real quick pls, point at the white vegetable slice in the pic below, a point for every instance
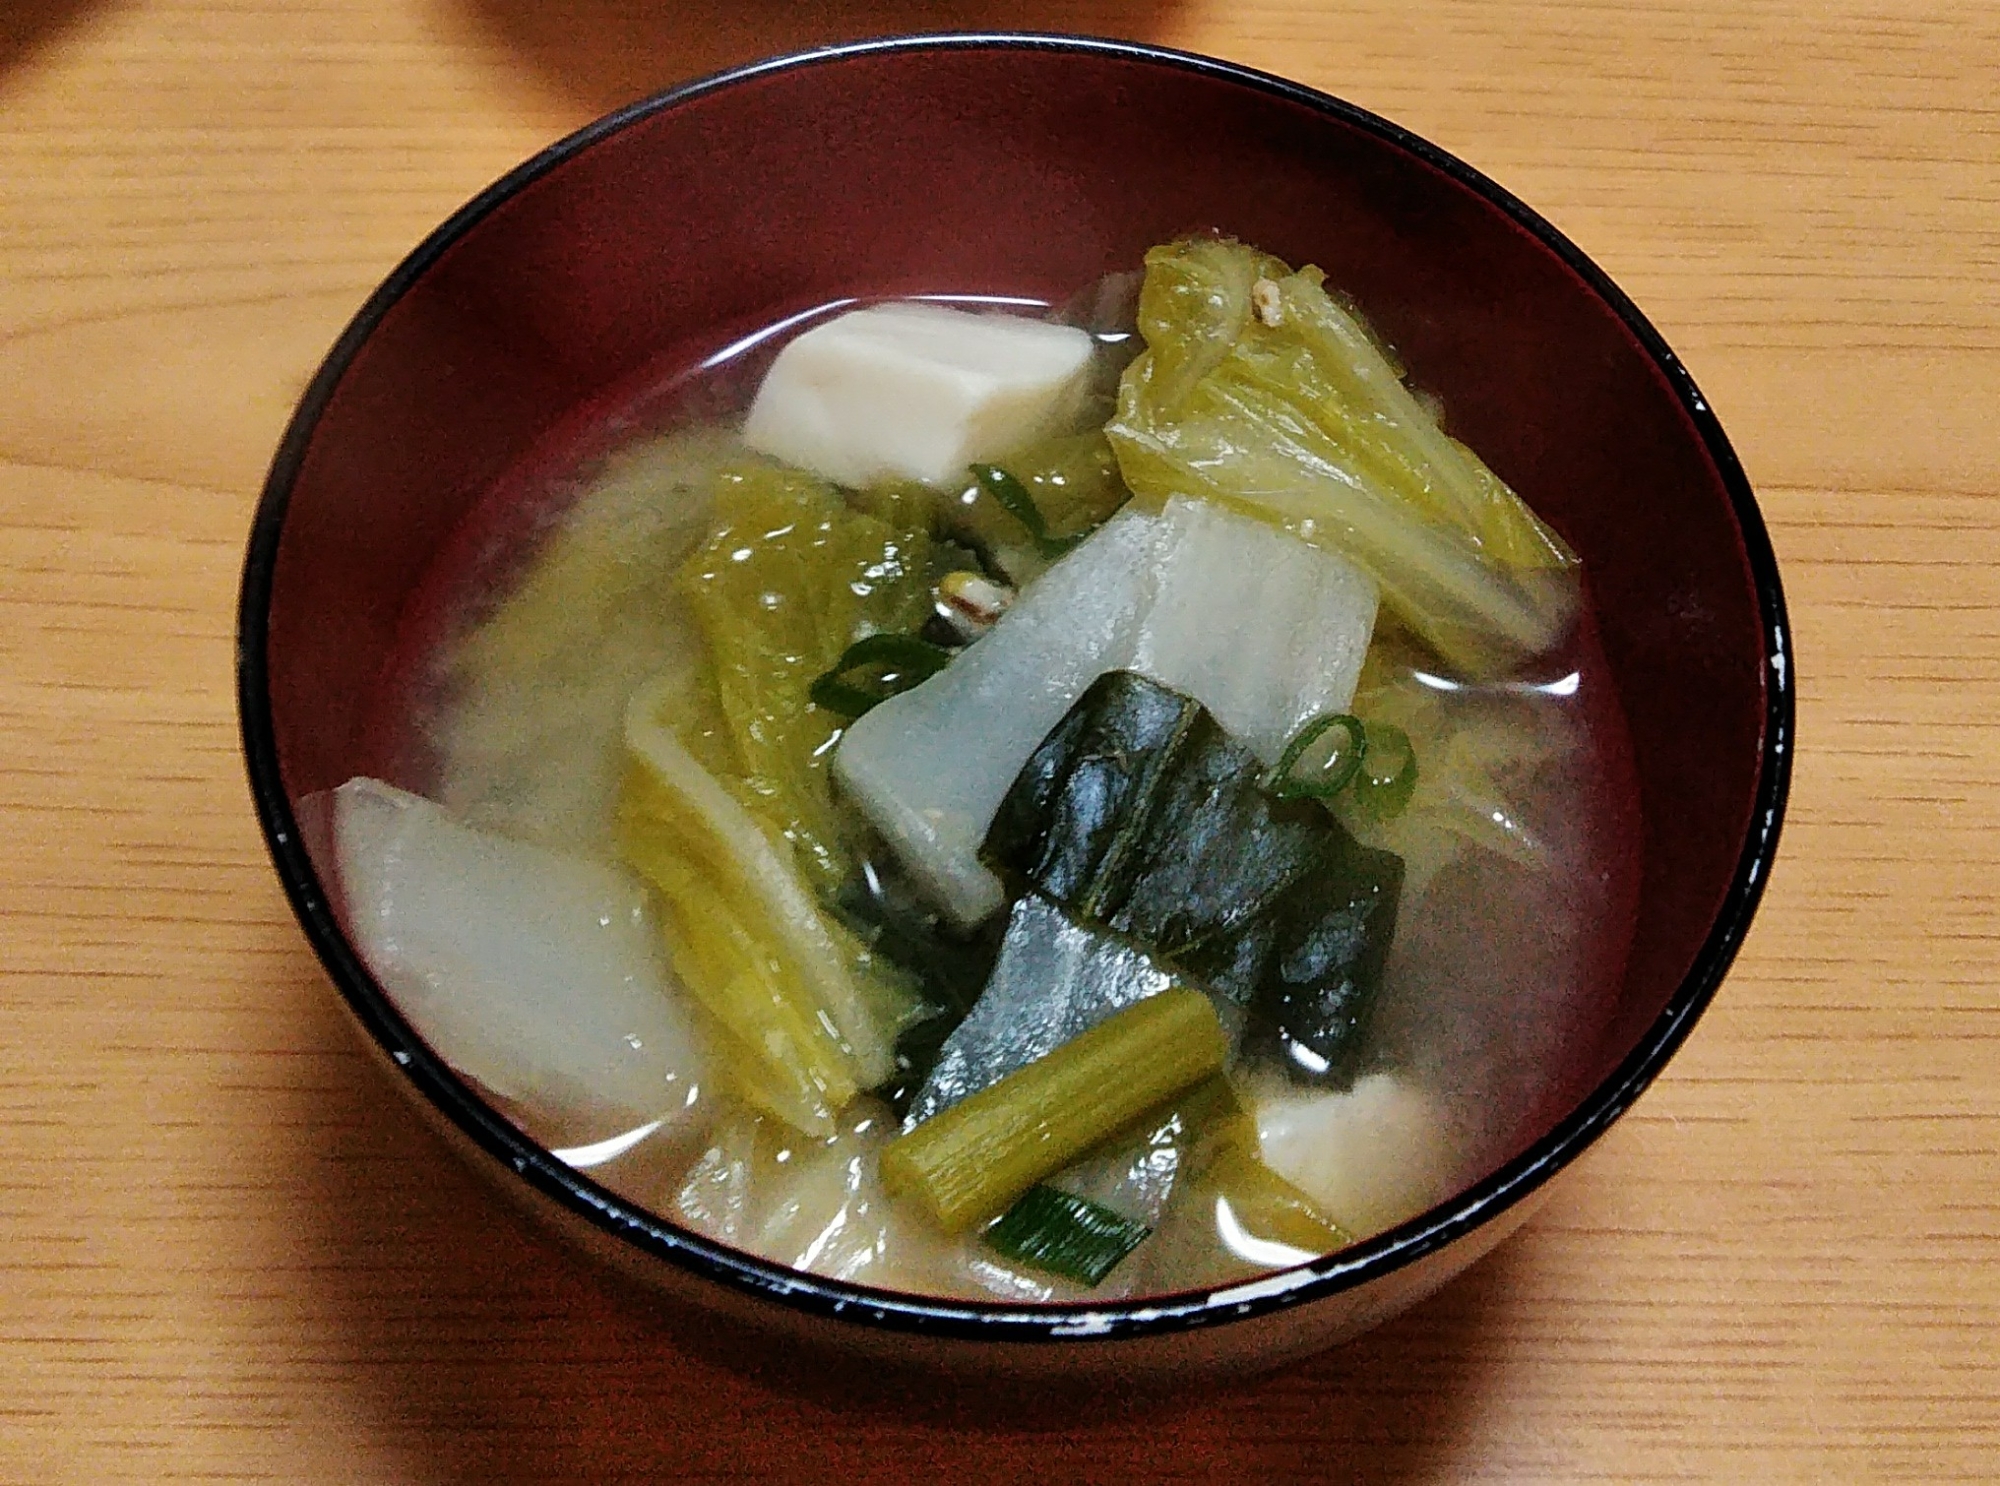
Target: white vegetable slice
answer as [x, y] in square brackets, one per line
[916, 392]
[932, 765]
[532, 971]
[1373, 1156]
[1259, 627]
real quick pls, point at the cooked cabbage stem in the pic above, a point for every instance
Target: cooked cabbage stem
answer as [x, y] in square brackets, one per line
[973, 1160]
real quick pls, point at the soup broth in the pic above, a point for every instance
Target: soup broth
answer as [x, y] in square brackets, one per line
[576, 587]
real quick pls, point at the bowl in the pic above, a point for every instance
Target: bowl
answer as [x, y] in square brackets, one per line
[1028, 165]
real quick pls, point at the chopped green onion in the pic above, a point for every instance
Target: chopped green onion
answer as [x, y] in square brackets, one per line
[974, 1159]
[1377, 759]
[1333, 775]
[905, 659]
[1048, 1229]
[1013, 495]
[1388, 774]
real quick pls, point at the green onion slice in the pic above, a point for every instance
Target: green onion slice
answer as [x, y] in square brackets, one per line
[1050, 1230]
[1388, 773]
[1329, 778]
[905, 661]
[1013, 495]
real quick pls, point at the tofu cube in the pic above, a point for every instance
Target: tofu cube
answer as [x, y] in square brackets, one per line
[916, 392]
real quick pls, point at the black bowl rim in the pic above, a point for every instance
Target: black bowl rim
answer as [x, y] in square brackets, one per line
[1350, 1269]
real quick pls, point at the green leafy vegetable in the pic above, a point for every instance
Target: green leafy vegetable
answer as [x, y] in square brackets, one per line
[904, 660]
[799, 1006]
[726, 810]
[788, 578]
[1259, 391]
[1138, 812]
[1048, 1229]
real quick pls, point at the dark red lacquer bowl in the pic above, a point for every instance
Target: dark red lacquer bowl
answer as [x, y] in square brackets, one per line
[1029, 165]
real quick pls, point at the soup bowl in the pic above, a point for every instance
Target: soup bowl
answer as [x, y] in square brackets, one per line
[1026, 165]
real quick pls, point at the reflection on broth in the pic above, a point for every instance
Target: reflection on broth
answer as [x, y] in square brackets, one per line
[950, 804]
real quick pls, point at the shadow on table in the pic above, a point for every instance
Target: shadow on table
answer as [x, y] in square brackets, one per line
[28, 24]
[478, 1349]
[605, 53]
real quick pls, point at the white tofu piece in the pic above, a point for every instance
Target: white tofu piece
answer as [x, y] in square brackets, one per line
[534, 972]
[1261, 629]
[915, 391]
[931, 766]
[1372, 1156]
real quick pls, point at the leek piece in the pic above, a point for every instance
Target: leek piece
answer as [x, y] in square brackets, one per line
[1014, 497]
[1023, 512]
[979, 1156]
[1379, 761]
[1387, 776]
[1065, 1235]
[1297, 416]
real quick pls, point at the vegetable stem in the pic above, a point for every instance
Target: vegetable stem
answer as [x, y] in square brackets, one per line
[977, 1157]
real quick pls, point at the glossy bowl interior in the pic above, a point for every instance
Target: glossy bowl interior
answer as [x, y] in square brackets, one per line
[1031, 166]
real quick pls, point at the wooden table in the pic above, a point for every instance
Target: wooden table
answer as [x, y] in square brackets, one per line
[227, 1250]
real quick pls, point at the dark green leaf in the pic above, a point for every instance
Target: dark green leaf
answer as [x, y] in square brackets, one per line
[1139, 812]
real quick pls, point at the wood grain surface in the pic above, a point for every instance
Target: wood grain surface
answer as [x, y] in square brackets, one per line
[227, 1250]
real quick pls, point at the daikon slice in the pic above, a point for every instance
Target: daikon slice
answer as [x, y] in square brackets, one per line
[930, 766]
[534, 972]
[1261, 629]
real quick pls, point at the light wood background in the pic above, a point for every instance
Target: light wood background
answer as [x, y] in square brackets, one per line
[228, 1252]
